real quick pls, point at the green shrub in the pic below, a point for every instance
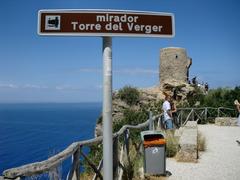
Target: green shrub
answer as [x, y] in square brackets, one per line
[131, 117]
[129, 94]
[155, 107]
[100, 119]
[171, 144]
[95, 155]
[222, 97]
[134, 117]
[196, 96]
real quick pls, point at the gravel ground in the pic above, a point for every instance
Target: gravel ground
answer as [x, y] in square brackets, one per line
[220, 160]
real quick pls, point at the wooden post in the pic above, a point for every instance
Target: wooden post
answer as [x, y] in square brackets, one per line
[126, 144]
[151, 125]
[181, 117]
[77, 159]
[120, 173]
[74, 173]
[218, 112]
[95, 169]
[205, 113]
[100, 165]
[193, 114]
[115, 158]
[126, 141]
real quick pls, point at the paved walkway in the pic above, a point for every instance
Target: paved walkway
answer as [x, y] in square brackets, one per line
[220, 160]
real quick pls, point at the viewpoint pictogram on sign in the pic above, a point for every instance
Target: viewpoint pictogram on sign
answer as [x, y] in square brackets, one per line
[52, 22]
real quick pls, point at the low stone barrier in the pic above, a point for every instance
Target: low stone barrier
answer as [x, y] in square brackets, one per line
[188, 143]
[225, 121]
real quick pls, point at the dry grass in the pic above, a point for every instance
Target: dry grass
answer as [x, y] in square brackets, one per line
[86, 176]
[172, 144]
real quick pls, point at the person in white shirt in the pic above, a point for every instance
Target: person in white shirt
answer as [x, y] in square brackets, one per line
[167, 113]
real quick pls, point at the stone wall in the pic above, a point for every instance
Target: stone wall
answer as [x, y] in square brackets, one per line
[174, 65]
[188, 143]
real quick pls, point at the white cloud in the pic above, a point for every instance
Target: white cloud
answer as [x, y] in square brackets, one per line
[9, 86]
[32, 86]
[43, 87]
[67, 87]
[77, 88]
[24, 86]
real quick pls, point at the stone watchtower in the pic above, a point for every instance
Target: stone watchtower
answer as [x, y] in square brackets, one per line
[174, 65]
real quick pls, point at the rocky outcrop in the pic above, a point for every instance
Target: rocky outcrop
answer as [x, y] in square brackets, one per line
[147, 98]
[226, 121]
[178, 90]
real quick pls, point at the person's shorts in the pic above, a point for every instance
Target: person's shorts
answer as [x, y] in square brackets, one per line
[169, 124]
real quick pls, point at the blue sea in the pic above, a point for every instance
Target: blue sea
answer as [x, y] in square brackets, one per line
[34, 132]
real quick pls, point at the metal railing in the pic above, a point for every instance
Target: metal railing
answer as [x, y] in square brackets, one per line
[203, 114]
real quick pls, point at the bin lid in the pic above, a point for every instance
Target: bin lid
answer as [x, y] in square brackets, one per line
[151, 134]
[154, 142]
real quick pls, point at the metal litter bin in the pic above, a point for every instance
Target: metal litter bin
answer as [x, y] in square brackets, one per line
[154, 145]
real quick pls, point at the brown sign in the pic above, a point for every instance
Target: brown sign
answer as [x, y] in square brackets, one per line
[105, 23]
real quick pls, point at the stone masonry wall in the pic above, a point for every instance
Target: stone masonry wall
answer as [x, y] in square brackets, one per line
[188, 143]
[174, 65]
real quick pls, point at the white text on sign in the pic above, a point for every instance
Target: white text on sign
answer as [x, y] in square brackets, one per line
[115, 23]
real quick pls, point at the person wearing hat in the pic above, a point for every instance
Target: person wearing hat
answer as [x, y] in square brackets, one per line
[167, 113]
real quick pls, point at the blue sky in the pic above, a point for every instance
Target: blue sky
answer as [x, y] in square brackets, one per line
[69, 69]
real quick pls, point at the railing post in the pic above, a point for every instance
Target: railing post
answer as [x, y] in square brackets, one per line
[150, 121]
[181, 117]
[100, 165]
[77, 158]
[126, 144]
[205, 113]
[115, 158]
[74, 173]
[192, 114]
[218, 112]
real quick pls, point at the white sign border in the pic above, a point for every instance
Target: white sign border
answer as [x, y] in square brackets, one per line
[104, 34]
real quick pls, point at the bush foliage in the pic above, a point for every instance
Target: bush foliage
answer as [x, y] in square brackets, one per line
[131, 117]
[220, 97]
[129, 94]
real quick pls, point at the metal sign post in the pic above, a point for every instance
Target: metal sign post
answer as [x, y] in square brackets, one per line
[107, 109]
[106, 24]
